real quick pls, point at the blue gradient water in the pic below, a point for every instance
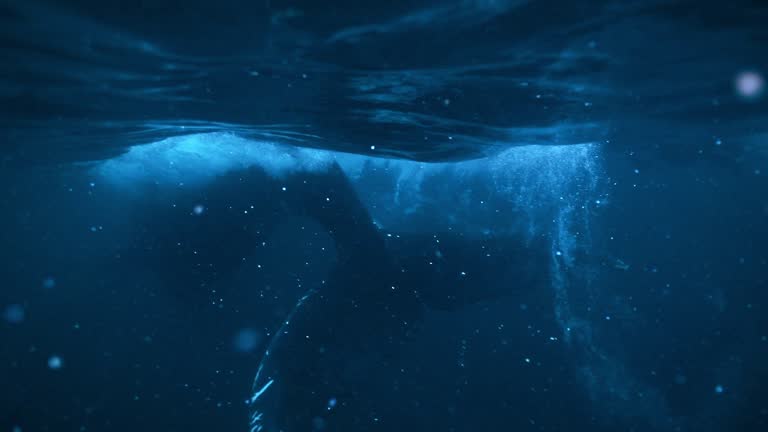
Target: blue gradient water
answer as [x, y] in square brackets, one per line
[455, 216]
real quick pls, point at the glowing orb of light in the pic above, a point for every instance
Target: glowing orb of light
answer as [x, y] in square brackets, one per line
[55, 362]
[749, 84]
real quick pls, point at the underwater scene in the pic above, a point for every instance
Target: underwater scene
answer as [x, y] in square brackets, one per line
[402, 215]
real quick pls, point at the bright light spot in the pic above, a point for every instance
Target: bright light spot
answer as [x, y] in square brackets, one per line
[331, 403]
[719, 389]
[198, 209]
[373, 147]
[14, 314]
[55, 362]
[749, 84]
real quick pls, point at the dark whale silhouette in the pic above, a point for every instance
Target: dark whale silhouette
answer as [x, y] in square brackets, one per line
[370, 306]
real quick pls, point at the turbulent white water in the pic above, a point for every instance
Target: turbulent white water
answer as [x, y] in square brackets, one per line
[200, 158]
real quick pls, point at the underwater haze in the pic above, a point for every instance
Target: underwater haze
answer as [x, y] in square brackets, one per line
[405, 215]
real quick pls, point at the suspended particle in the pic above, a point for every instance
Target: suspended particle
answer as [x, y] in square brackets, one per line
[14, 314]
[49, 282]
[749, 84]
[55, 362]
[246, 340]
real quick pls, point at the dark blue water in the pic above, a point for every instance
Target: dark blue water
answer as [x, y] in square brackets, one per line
[469, 215]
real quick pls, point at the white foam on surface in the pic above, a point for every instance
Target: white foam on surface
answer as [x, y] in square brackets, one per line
[199, 158]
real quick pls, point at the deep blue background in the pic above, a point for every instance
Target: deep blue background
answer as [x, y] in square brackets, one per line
[669, 276]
